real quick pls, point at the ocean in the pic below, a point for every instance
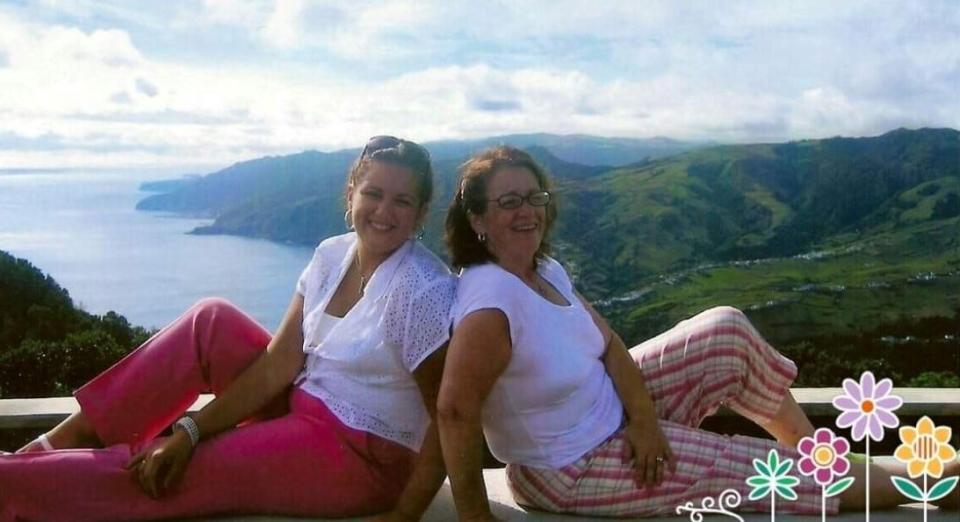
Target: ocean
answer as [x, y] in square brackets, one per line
[81, 228]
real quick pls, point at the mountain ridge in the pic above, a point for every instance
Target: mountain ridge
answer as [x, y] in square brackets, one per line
[623, 227]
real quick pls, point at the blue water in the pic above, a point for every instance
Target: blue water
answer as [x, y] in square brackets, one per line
[81, 228]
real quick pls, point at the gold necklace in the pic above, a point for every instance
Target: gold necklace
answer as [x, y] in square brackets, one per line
[363, 280]
[540, 289]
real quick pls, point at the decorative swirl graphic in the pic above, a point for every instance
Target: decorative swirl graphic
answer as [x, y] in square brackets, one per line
[727, 499]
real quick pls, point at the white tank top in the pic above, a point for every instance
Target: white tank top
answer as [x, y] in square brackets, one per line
[555, 401]
[323, 327]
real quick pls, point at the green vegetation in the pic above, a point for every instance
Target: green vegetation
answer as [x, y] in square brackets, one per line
[891, 350]
[47, 346]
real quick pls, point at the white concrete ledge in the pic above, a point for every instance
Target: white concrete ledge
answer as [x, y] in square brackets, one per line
[48, 411]
[936, 402]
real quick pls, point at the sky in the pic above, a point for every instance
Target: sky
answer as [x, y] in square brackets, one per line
[205, 83]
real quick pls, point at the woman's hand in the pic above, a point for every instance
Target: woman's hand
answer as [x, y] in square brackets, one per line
[646, 441]
[650, 450]
[160, 466]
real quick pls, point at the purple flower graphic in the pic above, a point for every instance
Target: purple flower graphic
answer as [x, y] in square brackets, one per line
[824, 456]
[867, 406]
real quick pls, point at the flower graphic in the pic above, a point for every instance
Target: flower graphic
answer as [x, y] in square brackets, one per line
[925, 448]
[867, 406]
[824, 456]
[772, 478]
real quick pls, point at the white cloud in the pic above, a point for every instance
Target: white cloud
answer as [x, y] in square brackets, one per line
[283, 26]
[755, 71]
[146, 88]
[244, 13]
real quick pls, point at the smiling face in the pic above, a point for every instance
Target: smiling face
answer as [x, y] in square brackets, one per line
[512, 236]
[385, 208]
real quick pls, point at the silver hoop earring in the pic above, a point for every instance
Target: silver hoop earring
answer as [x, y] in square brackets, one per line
[347, 220]
[481, 237]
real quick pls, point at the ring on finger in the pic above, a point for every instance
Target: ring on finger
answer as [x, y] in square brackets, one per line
[660, 460]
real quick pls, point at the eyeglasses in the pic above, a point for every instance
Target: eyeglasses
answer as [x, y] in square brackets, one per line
[407, 152]
[513, 201]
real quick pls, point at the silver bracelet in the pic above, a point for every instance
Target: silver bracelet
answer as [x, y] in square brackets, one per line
[189, 425]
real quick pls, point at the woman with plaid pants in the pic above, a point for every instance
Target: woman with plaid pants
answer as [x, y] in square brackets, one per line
[584, 425]
[715, 358]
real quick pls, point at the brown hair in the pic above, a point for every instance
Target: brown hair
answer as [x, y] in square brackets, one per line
[388, 149]
[465, 249]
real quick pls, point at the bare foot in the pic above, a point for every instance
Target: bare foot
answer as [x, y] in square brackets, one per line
[33, 446]
[74, 432]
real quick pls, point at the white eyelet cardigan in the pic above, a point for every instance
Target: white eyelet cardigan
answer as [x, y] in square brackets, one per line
[361, 368]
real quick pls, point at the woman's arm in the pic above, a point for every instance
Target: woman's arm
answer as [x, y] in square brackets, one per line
[429, 472]
[643, 430]
[479, 353]
[163, 462]
[271, 373]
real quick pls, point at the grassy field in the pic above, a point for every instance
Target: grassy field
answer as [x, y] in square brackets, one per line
[846, 286]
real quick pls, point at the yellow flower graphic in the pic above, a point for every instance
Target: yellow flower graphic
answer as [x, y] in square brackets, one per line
[925, 448]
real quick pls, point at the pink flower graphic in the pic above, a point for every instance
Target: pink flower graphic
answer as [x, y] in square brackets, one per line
[824, 456]
[867, 406]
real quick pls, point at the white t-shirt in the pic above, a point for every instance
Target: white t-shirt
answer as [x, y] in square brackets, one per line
[555, 400]
[361, 366]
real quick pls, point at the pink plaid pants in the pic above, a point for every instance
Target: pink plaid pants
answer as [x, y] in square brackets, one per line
[295, 458]
[715, 358]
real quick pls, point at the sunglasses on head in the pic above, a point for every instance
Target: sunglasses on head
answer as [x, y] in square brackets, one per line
[393, 148]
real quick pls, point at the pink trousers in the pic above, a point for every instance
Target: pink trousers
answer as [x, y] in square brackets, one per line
[715, 358]
[294, 458]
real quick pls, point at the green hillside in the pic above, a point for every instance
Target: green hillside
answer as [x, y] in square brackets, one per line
[574, 148]
[844, 247]
[309, 172]
[754, 201]
[297, 198]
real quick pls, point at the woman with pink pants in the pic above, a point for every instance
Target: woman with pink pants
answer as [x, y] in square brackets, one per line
[330, 417]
